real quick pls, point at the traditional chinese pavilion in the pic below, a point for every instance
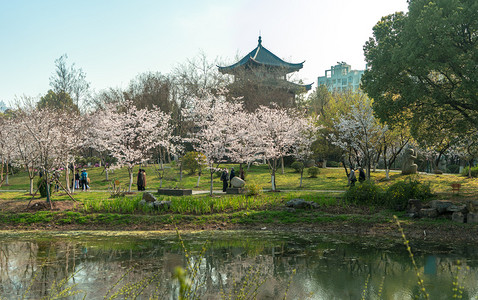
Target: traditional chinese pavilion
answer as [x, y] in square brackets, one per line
[260, 78]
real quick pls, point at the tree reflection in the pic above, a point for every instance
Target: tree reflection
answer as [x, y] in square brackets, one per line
[326, 268]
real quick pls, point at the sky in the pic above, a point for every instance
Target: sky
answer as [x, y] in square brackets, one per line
[113, 41]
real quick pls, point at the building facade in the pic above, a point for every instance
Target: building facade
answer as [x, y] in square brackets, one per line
[341, 77]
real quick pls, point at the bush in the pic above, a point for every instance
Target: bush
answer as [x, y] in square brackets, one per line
[474, 171]
[333, 164]
[313, 172]
[41, 184]
[398, 194]
[193, 161]
[297, 166]
[366, 193]
[253, 188]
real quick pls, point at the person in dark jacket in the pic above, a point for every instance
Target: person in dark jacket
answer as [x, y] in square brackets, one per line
[361, 175]
[139, 180]
[224, 177]
[231, 175]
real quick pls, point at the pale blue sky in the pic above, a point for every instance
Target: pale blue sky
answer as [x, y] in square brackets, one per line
[114, 40]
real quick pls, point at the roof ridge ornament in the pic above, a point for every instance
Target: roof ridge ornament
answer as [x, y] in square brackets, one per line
[260, 40]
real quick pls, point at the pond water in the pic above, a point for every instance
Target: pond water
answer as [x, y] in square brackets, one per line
[326, 267]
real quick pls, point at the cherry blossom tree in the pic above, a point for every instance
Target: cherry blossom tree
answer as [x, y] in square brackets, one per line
[214, 136]
[302, 147]
[130, 133]
[360, 134]
[278, 129]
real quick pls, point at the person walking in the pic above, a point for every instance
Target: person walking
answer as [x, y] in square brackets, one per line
[232, 175]
[224, 177]
[139, 180]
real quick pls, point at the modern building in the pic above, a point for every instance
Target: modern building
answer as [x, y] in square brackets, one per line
[260, 79]
[340, 78]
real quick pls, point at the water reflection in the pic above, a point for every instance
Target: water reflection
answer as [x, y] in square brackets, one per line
[327, 267]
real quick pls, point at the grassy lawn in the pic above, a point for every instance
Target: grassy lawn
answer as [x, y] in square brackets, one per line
[332, 179]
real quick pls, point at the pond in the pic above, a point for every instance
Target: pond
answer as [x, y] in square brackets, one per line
[303, 266]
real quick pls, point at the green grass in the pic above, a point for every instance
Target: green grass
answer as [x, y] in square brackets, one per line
[329, 179]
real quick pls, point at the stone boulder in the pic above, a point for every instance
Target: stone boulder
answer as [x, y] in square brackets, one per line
[409, 166]
[472, 217]
[472, 206]
[428, 213]
[162, 205]
[440, 205]
[302, 204]
[148, 197]
[237, 182]
[458, 217]
[414, 205]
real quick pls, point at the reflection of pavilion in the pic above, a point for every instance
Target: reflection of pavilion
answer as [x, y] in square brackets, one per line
[260, 78]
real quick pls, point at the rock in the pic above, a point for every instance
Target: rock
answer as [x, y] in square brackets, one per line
[414, 205]
[458, 217]
[301, 204]
[428, 213]
[472, 217]
[409, 166]
[290, 209]
[142, 202]
[438, 171]
[457, 208]
[472, 205]
[440, 205]
[237, 182]
[163, 205]
[148, 197]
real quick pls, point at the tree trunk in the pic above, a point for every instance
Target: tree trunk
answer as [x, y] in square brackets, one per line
[324, 164]
[130, 171]
[31, 185]
[180, 172]
[387, 173]
[301, 175]
[106, 174]
[6, 173]
[282, 164]
[67, 178]
[210, 191]
[199, 178]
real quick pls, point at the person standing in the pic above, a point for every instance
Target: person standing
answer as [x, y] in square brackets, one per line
[232, 175]
[143, 174]
[84, 180]
[139, 180]
[352, 177]
[224, 176]
[77, 180]
[361, 175]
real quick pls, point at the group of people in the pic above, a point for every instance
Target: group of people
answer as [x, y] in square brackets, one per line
[226, 177]
[82, 181]
[353, 178]
[141, 180]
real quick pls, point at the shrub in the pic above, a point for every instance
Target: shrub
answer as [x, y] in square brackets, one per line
[366, 193]
[193, 161]
[474, 171]
[398, 194]
[313, 172]
[297, 166]
[41, 184]
[332, 163]
[253, 188]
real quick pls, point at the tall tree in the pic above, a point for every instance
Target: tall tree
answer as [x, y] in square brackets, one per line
[69, 80]
[423, 63]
